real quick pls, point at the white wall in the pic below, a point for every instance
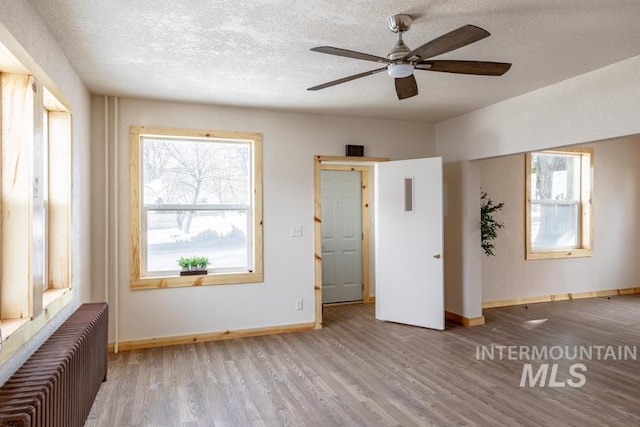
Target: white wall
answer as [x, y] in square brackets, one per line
[598, 105]
[23, 32]
[462, 285]
[616, 205]
[290, 142]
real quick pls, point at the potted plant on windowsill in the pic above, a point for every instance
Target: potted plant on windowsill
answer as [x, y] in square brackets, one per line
[195, 265]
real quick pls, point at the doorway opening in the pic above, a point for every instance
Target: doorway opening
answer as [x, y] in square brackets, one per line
[357, 252]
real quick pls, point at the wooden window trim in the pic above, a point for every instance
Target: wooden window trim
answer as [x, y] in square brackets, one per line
[47, 296]
[20, 113]
[585, 209]
[137, 282]
[59, 203]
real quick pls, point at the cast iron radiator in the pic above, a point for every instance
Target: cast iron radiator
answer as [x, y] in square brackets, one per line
[57, 385]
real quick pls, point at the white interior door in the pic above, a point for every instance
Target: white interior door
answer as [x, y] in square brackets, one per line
[341, 236]
[408, 246]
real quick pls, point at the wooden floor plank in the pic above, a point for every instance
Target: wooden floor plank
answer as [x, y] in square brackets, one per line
[358, 371]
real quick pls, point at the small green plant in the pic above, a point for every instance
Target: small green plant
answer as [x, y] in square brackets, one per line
[193, 263]
[201, 262]
[488, 225]
[184, 262]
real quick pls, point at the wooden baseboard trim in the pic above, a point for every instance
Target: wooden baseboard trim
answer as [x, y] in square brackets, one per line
[560, 297]
[465, 321]
[370, 300]
[211, 336]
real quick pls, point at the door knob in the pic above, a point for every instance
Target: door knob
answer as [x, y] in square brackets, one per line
[436, 255]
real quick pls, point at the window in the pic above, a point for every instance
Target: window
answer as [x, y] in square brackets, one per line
[558, 194]
[195, 193]
[35, 202]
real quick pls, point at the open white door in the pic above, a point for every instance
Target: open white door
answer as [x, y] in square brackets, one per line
[408, 242]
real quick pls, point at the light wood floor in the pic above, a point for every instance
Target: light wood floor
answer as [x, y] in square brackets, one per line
[361, 372]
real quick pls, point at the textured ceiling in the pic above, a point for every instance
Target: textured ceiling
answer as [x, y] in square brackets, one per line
[256, 53]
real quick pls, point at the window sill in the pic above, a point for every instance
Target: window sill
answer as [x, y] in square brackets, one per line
[20, 331]
[9, 326]
[561, 254]
[50, 295]
[160, 282]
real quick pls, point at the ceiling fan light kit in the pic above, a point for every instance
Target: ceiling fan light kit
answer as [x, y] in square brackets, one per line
[399, 71]
[401, 62]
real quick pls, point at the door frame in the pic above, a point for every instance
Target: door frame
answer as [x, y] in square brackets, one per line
[364, 166]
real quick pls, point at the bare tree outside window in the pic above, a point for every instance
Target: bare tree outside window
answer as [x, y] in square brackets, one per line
[196, 200]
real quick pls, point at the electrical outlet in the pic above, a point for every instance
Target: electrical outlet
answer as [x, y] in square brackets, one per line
[296, 231]
[299, 304]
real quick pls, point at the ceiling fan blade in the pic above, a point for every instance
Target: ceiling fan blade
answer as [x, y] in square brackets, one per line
[446, 43]
[406, 87]
[346, 79]
[480, 68]
[349, 54]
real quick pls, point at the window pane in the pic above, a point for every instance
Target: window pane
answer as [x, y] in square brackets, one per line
[219, 235]
[194, 171]
[555, 176]
[554, 226]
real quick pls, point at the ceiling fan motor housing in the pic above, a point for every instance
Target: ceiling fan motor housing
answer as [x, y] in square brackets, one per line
[400, 50]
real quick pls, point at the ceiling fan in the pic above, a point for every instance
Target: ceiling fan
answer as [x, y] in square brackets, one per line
[402, 61]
